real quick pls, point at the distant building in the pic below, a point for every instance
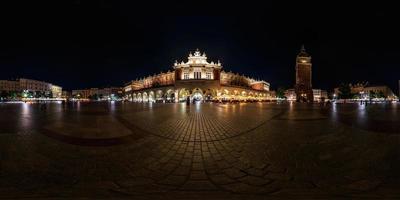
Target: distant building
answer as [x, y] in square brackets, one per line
[364, 91]
[84, 93]
[34, 85]
[108, 93]
[290, 95]
[303, 87]
[272, 94]
[56, 91]
[9, 86]
[101, 94]
[385, 90]
[30, 85]
[318, 95]
[66, 94]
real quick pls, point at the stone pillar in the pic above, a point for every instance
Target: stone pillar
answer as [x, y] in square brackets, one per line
[176, 96]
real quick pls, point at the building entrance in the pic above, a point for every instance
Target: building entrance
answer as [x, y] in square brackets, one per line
[197, 96]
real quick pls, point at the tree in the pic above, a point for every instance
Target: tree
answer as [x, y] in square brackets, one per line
[356, 95]
[120, 95]
[49, 94]
[14, 94]
[37, 94]
[345, 91]
[31, 94]
[372, 94]
[94, 97]
[4, 94]
[77, 96]
[381, 95]
[280, 93]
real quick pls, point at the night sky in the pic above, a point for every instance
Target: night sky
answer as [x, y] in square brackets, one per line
[79, 44]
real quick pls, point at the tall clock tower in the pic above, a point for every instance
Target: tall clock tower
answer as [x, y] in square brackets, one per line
[303, 87]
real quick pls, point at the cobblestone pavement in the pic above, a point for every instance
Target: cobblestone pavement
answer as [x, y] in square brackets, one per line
[202, 151]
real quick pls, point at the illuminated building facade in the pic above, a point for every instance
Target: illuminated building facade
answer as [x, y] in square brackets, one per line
[83, 93]
[318, 95]
[303, 87]
[197, 80]
[65, 94]
[364, 91]
[56, 91]
[32, 86]
[290, 95]
[109, 93]
[9, 86]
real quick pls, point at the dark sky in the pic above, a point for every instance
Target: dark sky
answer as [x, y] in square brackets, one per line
[79, 44]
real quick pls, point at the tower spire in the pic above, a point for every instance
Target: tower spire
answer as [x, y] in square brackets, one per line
[303, 52]
[303, 49]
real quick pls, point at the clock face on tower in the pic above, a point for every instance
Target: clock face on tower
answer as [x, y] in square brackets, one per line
[303, 60]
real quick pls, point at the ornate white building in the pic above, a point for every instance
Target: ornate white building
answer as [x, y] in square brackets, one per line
[198, 79]
[197, 67]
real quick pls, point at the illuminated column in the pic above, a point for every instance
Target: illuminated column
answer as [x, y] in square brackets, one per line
[176, 96]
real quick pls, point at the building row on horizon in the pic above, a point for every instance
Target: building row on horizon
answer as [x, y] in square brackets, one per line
[317, 94]
[357, 91]
[366, 91]
[303, 90]
[109, 93]
[197, 80]
[29, 88]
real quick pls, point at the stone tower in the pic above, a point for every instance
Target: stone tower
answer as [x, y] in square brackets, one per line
[303, 87]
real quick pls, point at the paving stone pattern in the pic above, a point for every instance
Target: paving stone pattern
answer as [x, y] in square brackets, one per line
[203, 151]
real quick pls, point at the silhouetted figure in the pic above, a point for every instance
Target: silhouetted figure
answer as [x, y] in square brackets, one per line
[188, 100]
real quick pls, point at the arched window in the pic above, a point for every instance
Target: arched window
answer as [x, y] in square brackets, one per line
[197, 75]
